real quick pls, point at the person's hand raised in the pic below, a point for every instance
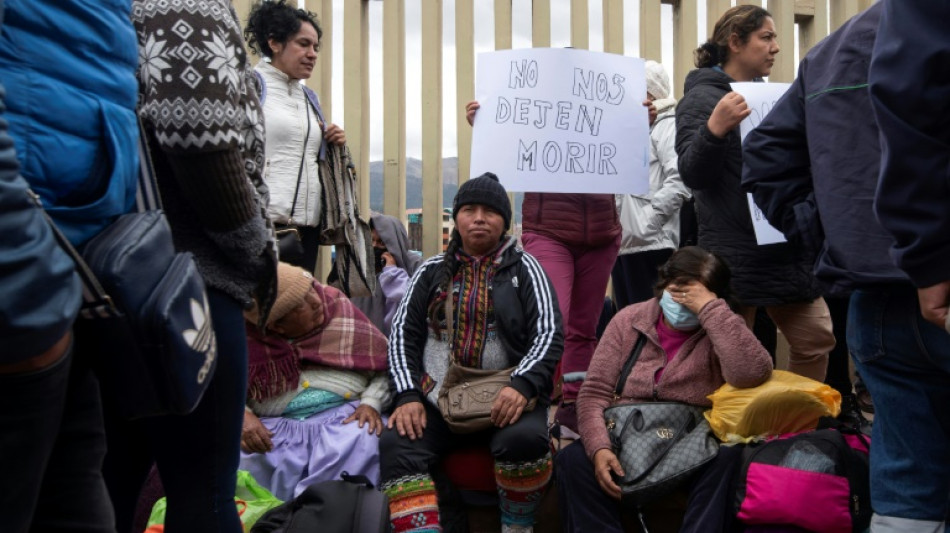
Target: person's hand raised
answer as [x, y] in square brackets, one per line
[729, 112]
[470, 109]
[693, 295]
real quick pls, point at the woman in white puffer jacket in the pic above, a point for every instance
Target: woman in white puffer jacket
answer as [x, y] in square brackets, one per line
[651, 222]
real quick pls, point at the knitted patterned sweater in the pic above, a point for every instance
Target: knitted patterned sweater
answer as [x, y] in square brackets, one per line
[722, 351]
[198, 101]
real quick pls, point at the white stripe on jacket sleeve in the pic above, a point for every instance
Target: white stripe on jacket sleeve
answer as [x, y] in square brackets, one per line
[545, 326]
[398, 368]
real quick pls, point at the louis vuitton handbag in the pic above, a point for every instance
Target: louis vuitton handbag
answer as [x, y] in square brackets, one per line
[659, 444]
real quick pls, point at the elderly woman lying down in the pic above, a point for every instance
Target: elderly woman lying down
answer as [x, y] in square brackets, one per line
[317, 383]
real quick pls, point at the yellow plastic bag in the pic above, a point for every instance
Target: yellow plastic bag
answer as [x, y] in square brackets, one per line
[786, 403]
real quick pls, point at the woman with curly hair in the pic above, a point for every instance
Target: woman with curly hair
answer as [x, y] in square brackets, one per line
[288, 40]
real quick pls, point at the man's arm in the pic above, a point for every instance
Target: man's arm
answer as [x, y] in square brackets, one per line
[909, 94]
[41, 292]
[776, 169]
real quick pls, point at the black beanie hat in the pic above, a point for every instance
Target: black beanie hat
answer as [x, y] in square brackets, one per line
[484, 190]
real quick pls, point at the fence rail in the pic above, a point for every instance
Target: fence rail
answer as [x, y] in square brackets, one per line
[810, 19]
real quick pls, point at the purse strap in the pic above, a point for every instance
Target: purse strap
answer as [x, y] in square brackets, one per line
[303, 159]
[96, 302]
[628, 365]
[147, 197]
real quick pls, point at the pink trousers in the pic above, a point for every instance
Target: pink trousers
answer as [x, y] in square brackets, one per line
[579, 276]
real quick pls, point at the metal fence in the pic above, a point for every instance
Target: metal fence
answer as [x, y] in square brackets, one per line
[810, 20]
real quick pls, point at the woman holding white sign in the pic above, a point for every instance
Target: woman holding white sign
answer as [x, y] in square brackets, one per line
[777, 276]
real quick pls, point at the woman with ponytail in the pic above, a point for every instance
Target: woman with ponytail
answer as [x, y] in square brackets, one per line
[484, 304]
[777, 277]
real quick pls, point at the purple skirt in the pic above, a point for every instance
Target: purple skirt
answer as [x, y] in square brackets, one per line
[319, 448]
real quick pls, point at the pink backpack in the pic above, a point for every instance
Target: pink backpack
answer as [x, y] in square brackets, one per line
[814, 480]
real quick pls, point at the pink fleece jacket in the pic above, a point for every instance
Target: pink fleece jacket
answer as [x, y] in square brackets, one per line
[722, 351]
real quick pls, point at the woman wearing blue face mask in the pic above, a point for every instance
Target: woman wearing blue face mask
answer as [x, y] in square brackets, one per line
[694, 344]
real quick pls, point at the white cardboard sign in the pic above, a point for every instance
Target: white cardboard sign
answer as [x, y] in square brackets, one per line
[562, 120]
[761, 98]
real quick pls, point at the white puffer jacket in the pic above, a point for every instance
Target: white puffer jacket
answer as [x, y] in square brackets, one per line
[652, 221]
[286, 111]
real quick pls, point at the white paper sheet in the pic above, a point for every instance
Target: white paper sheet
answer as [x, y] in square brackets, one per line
[562, 120]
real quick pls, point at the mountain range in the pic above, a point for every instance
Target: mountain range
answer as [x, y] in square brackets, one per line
[450, 176]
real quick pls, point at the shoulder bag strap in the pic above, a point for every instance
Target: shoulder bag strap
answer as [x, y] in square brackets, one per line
[315, 103]
[95, 302]
[147, 197]
[628, 365]
[303, 160]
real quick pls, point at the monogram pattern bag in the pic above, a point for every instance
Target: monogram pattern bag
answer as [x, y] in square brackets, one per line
[659, 444]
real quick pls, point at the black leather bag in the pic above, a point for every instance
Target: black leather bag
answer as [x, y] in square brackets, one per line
[289, 244]
[659, 444]
[151, 327]
[351, 505]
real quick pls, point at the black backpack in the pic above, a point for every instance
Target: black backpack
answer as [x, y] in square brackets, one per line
[352, 505]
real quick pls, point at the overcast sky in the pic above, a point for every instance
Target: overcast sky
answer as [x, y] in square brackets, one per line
[484, 42]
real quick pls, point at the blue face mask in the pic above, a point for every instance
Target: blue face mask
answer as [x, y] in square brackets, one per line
[677, 315]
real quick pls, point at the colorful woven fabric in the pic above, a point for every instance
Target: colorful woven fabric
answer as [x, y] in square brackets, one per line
[347, 340]
[474, 305]
[413, 505]
[520, 488]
